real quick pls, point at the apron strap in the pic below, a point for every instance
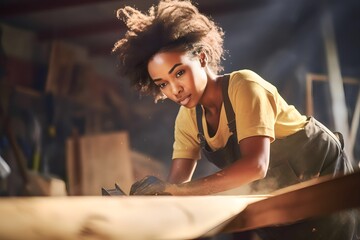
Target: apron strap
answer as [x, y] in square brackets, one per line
[230, 115]
[200, 135]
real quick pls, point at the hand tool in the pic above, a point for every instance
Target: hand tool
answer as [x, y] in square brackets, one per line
[113, 192]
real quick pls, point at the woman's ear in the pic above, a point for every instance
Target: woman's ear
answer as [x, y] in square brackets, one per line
[202, 59]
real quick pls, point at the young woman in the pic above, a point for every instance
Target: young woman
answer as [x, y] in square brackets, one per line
[238, 121]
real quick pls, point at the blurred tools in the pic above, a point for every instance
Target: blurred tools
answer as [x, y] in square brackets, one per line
[28, 183]
[4, 169]
[4, 173]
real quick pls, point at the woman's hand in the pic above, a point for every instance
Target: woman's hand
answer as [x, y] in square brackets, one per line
[151, 185]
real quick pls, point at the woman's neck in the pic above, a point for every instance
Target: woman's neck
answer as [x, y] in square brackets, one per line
[212, 96]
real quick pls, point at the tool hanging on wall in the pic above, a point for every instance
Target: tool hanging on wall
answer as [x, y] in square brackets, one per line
[4, 173]
[4, 169]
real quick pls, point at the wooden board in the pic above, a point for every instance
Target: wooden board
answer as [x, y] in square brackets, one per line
[110, 218]
[98, 161]
[40, 185]
[61, 68]
[170, 217]
[313, 198]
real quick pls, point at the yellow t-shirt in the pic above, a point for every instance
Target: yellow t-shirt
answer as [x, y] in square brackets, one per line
[259, 111]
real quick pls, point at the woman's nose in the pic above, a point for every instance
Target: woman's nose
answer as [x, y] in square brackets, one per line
[176, 89]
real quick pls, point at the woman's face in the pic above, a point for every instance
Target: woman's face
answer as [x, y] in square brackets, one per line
[181, 78]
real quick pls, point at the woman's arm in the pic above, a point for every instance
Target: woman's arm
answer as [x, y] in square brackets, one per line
[181, 170]
[252, 166]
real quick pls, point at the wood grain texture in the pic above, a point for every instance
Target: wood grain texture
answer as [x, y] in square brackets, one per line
[147, 217]
[317, 197]
[170, 217]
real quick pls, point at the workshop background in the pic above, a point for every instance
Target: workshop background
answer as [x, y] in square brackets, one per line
[70, 125]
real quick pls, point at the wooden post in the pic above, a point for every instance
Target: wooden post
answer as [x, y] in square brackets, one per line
[339, 109]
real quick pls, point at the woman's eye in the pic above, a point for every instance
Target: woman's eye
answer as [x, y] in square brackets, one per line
[179, 73]
[162, 85]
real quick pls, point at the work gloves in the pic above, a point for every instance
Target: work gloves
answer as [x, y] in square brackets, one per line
[149, 185]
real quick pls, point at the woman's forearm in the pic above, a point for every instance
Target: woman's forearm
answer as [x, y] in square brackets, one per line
[253, 165]
[239, 173]
[181, 170]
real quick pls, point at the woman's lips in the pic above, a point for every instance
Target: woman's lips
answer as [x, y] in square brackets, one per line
[185, 100]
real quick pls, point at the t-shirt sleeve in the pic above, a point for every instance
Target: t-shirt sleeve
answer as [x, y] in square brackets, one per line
[186, 144]
[254, 105]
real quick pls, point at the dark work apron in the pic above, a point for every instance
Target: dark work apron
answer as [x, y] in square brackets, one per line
[308, 153]
[225, 156]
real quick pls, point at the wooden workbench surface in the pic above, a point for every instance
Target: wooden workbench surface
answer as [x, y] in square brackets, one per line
[147, 217]
[170, 217]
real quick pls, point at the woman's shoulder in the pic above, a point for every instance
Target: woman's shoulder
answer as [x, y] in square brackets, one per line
[246, 78]
[245, 75]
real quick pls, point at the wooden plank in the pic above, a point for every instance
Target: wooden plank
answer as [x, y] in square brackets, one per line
[146, 217]
[169, 217]
[62, 64]
[104, 160]
[308, 199]
[337, 92]
[73, 167]
[40, 185]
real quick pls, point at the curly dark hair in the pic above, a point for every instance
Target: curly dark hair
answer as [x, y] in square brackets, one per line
[171, 25]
